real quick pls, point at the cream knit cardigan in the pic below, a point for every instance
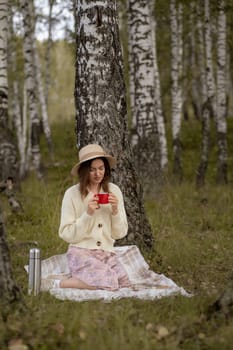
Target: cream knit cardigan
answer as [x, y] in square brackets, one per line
[97, 231]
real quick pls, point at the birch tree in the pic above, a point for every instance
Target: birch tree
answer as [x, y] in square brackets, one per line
[8, 152]
[48, 50]
[42, 100]
[31, 86]
[209, 105]
[101, 113]
[221, 95]
[229, 85]
[8, 161]
[39, 82]
[195, 87]
[8, 290]
[201, 56]
[18, 108]
[142, 71]
[158, 102]
[176, 89]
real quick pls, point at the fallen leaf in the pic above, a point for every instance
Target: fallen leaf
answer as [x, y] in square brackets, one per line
[162, 332]
[82, 334]
[149, 326]
[201, 336]
[17, 344]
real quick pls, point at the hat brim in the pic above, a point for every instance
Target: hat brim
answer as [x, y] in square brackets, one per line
[111, 161]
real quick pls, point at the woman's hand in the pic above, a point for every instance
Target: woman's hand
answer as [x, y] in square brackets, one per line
[114, 203]
[92, 205]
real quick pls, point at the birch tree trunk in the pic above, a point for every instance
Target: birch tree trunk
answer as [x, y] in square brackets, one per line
[20, 122]
[229, 86]
[211, 89]
[48, 51]
[221, 95]
[31, 86]
[8, 161]
[3, 66]
[142, 71]
[201, 56]
[196, 102]
[133, 130]
[176, 90]
[101, 104]
[8, 152]
[42, 99]
[8, 290]
[158, 102]
[209, 105]
[19, 118]
[40, 87]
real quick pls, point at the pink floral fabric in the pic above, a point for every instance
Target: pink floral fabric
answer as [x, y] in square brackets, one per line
[98, 268]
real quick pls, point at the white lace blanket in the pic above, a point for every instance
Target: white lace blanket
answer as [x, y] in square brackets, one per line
[146, 284]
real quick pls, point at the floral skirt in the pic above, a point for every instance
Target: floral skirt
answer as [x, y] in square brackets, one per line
[97, 268]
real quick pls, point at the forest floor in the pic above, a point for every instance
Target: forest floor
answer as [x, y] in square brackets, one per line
[193, 245]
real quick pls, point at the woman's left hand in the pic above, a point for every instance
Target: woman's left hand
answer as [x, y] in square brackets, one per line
[114, 203]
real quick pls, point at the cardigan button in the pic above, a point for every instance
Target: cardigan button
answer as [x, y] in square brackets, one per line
[98, 243]
[100, 225]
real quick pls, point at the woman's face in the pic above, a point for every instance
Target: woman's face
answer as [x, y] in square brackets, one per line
[97, 171]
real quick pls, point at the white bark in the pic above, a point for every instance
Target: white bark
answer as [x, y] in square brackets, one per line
[140, 41]
[221, 94]
[196, 96]
[29, 68]
[180, 61]
[39, 83]
[48, 51]
[8, 156]
[209, 105]
[44, 111]
[176, 117]
[20, 127]
[3, 63]
[176, 75]
[20, 124]
[221, 70]
[158, 103]
[134, 133]
[229, 85]
[201, 56]
[142, 71]
[211, 90]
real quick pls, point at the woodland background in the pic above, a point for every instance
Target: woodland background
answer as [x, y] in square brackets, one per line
[192, 225]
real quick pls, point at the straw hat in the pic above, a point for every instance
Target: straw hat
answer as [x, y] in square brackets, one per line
[92, 151]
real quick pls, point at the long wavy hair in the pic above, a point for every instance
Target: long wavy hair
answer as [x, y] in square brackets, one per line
[84, 172]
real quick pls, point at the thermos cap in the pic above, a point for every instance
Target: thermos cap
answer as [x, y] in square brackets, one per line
[34, 253]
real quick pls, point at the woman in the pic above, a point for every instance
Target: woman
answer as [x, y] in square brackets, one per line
[91, 228]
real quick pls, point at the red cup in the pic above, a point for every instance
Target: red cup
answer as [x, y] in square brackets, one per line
[103, 198]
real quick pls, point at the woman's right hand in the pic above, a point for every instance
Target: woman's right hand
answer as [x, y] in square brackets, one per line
[92, 205]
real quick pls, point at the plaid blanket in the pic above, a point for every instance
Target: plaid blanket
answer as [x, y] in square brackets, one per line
[146, 284]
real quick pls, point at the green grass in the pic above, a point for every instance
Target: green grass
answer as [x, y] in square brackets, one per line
[193, 236]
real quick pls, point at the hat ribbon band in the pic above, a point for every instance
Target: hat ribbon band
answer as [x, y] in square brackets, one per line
[90, 154]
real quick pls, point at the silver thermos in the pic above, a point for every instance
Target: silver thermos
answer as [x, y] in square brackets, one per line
[34, 271]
